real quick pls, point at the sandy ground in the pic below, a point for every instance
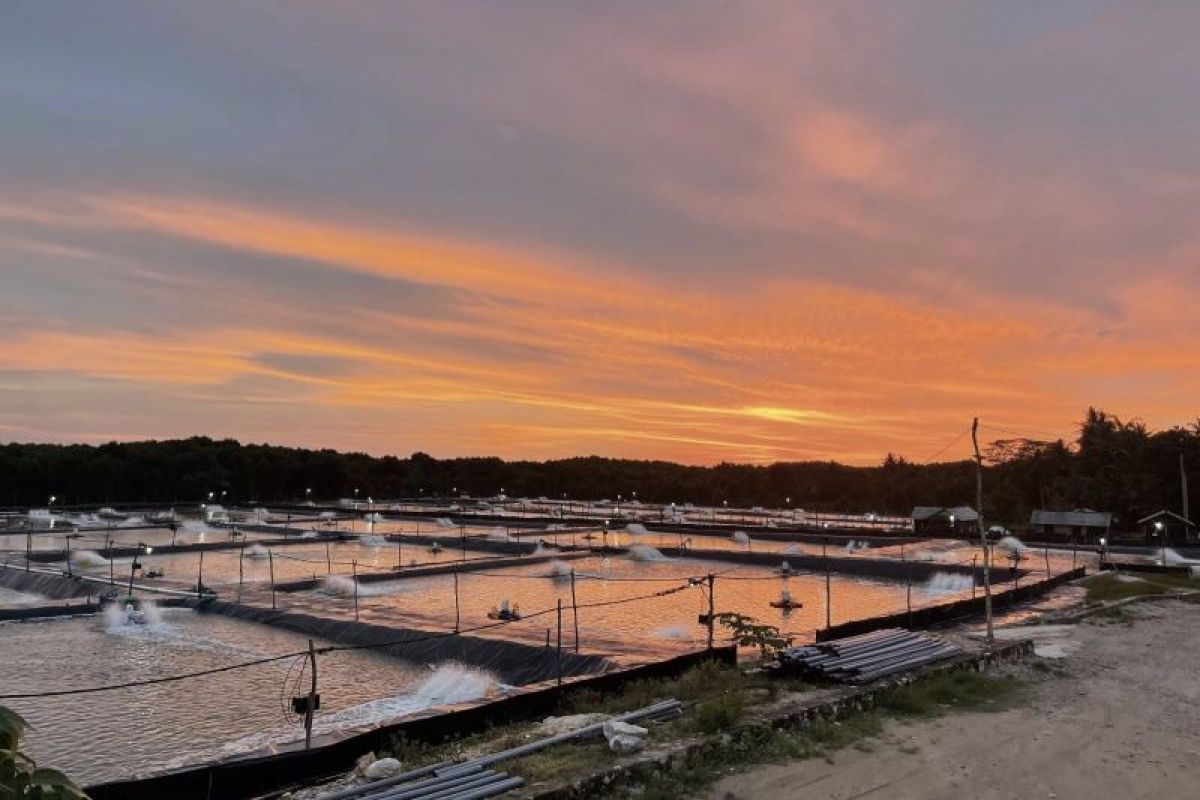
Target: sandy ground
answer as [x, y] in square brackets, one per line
[1121, 721]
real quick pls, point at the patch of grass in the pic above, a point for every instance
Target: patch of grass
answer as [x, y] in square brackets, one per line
[960, 690]
[559, 763]
[701, 682]
[1109, 587]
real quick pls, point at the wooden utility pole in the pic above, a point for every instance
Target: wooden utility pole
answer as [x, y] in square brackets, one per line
[1183, 481]
[987, 558]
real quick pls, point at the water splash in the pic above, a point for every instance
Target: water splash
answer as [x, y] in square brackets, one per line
[1012, 544]
[635, 528]
[948, 583]
[498, 534]
[121, 617]
[448, 684]
[643, 552]
[257, 551]
[444, 522]
[674, 633]
[740, 537]
[559, 571]
[1172, 558]
[372, 540]
[88, 558]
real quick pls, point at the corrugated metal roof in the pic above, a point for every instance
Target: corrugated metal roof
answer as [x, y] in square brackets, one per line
[1164, 513]
[1086, 519]
[960, 513]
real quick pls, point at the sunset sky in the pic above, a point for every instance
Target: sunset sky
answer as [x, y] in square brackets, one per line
[698, 231]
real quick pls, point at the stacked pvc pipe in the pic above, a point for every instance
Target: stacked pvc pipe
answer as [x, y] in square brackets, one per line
[472, 780]
[866, 658]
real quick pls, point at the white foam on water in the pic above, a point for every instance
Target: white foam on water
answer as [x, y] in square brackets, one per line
[559, 571]
[372, 540]
[635, 528]
[674, 633]
[1172, 558]
[498, 534]
[88, 558]
[948, 583]
[444, 522]
[642, 552]
[1012, 544]
[257, 551]
[448, 684]
[344, 586]
[740, 537]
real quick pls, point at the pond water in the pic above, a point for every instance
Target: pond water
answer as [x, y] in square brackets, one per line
[108, 735]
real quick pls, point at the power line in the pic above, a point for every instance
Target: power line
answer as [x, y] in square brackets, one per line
[953, 442]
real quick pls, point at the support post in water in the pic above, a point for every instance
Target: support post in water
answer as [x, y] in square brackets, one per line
[574, 610]
[312, 697]
[987, 558]
[111, 577]
[354, 574]
[712, 585]
[200, 578]
[28, 550]
[328, 560]
[457, 611]
[271, 565]
[828, 591]
[908, 595]
[1047, 559]
[558, 656]
[241, 570]
[399, 549]
[973, 558]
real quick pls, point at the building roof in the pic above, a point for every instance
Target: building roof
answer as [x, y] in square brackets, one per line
[1165, 513]
[960, 513]
[1078, 518]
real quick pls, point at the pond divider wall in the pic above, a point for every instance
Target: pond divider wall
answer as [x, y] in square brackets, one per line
[888, 568]
[930, 616]
[55, 587]
[243, 778]
[514, 663]
[44, 556]
[443, 568]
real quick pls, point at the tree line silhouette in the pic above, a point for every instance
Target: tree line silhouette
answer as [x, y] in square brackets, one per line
[1111, 465]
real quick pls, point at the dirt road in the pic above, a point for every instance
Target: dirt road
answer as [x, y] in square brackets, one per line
[1122, 722]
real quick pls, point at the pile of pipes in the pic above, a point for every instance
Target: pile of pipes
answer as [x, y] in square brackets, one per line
[865, 658]
[473, 780]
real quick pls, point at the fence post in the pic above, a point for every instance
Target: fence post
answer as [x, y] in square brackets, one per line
[457, 608]
[400, 549]
[1047, 559]
[312, 697]
[199, 577]
[574, 610]
[712, 587]
[354, 574]
[828, 593]
[271, 565]
[559, 652]
[328, 560]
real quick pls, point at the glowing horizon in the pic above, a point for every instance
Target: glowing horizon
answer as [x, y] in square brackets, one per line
[789, 232]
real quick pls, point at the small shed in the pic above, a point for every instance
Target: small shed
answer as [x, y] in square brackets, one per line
[1167, 527]
[945, 521]
[1080, 525]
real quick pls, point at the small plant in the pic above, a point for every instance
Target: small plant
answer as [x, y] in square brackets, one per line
[20, 777]
[749, 632]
